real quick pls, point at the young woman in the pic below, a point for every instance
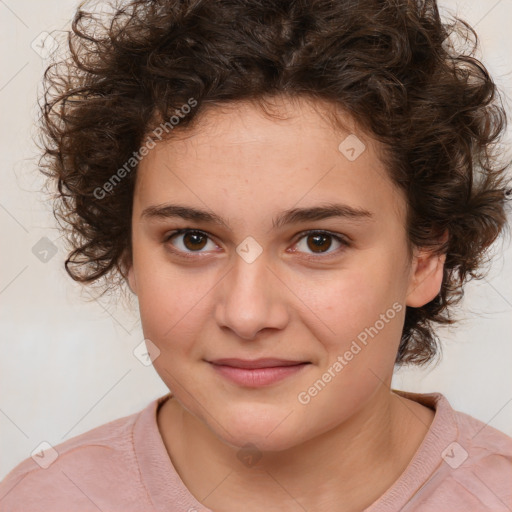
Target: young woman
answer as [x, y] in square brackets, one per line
[296, 192]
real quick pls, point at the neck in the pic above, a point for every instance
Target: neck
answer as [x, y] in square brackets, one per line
[345, 469]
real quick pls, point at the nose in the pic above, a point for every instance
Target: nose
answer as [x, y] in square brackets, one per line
[252, 298]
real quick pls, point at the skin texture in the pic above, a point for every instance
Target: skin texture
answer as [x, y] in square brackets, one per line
[351, 441]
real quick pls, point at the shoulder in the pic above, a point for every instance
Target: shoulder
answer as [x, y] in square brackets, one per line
[477, 468]
[482, 436]
[485, 458]
[480, 447]
[471, 463]
[78, 474]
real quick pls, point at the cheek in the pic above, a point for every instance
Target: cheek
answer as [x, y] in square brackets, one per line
[171, 300]
[367, 321]
[169, 313]
[350, 302]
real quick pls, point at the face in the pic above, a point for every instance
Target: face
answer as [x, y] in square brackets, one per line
[300, 255]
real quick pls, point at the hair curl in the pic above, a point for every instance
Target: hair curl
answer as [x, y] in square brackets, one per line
[393, 65]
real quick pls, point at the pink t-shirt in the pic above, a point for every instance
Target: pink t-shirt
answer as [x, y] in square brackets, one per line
[462, 465]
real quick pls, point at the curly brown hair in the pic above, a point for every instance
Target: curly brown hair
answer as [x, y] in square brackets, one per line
[392, 65]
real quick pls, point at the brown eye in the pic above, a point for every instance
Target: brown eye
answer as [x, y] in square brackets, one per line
[319, 242]
[187, 240]
[194, 241]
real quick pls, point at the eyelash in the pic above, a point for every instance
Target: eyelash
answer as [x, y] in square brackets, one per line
[192, 254]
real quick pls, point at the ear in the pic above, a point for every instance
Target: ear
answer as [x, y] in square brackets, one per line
[426, 276]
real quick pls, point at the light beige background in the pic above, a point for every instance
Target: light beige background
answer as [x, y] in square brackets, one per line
[67, 365]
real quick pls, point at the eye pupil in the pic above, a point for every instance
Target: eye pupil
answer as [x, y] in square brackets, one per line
[195, 239]
[319, 242]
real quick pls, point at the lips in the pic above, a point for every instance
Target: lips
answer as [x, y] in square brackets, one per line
[256, 363]
[257, 372]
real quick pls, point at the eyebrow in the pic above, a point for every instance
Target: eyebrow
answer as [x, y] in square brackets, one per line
[292, 216]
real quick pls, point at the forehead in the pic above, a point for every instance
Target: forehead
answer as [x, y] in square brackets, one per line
[240, 159]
